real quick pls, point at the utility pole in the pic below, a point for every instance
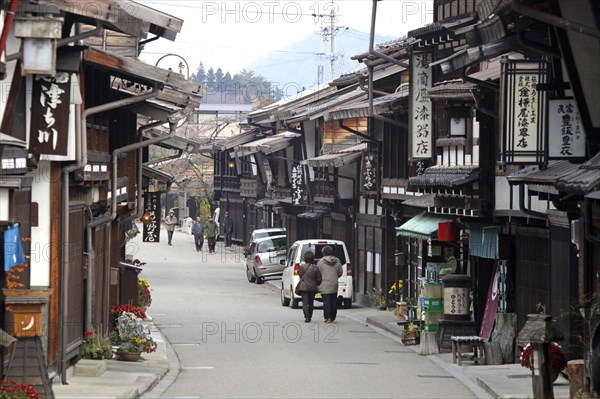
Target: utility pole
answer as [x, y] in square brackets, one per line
[332, 56]
[329, 33]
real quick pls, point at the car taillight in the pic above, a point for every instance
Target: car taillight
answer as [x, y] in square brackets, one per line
[257, 260]
[296, 268]
[348, 269]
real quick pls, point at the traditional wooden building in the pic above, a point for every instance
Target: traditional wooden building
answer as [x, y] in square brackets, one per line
[76, 178]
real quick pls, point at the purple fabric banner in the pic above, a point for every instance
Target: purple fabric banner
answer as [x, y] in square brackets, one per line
[491, 305]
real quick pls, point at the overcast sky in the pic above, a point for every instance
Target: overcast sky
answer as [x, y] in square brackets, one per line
[231, 34]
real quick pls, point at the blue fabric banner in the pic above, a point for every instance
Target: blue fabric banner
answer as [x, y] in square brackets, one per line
[13, 251]
[483, 241]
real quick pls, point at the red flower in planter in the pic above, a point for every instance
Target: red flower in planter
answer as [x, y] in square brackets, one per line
[557, 357]
[10, 389]
[116, 311]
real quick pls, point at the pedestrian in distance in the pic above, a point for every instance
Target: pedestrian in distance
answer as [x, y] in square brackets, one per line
[228, 226]
[210, 231]
[331, 269]
[198, 232]
[310, 278]
[171, 222]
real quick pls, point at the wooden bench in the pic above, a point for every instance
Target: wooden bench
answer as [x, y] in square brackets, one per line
[475, 342]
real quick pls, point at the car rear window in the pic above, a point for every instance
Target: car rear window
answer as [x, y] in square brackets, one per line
[338, 251]
[275, 244]
[263, 234]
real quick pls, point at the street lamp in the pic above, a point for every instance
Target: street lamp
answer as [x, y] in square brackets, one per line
[183, 63]
[146, 217]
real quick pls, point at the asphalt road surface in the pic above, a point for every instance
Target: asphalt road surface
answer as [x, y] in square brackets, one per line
[233, 338]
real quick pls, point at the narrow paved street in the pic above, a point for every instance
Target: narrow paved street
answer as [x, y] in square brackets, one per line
[234, 339]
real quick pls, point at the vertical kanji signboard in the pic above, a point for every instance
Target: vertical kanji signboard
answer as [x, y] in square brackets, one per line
[297, 184]
[523, 111]
[152, 228]
[566, 136]
[50, 114]
[421, 132]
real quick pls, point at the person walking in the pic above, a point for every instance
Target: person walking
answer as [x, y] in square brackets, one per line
[310, 278]
[228, 226]
[331, 269]
[171, 222]
[198, 232]
[210, 230]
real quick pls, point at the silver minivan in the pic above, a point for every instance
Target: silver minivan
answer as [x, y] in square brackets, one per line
[295, 255]
[261, 233]
[264, 256]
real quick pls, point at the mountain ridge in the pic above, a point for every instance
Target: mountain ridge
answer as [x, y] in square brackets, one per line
[306, 62]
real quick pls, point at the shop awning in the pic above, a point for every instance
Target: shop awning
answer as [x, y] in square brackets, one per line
[266, 145]
[423, 226]
[5, 139]
[173, 143]
[359, 108]
[313, 214]
[230, 142]
[338, 158]
[547, 176]
[156, 174]
[266, 202]
[130, 17]
[318, 109]
[421, 201]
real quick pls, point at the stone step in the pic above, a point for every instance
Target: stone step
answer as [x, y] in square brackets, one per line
[90, 368]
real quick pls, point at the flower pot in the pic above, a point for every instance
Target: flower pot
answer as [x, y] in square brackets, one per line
[130, 356]
[401, 310]
[411, 340]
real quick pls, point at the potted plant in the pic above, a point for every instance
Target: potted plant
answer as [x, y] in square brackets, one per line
[117, 311]
[377, 299]
[557, 358]
[96, 345]
[10, 389]
[396, 291]
[411, 308]
[411, 334]
[144, 293]
[132, 337]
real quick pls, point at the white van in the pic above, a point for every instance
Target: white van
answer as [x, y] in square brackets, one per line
[295, 255]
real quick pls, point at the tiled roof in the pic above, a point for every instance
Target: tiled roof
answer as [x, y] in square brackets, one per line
[452, 89]
[583, 179]
[445, 176]
[534, 175]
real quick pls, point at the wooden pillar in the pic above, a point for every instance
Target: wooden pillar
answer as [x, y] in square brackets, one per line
[576, 370]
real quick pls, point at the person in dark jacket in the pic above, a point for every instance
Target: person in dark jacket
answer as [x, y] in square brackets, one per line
[198, 232]
[309, 286]
[228, 226]
[331, 269]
